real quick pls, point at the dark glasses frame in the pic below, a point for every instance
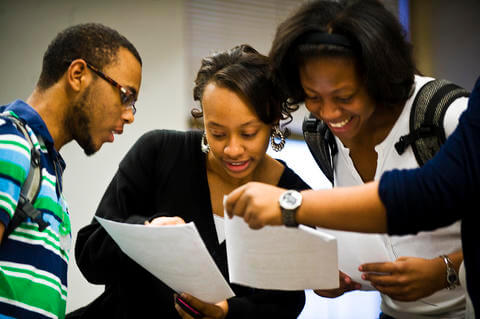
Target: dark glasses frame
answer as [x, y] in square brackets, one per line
[127, 97]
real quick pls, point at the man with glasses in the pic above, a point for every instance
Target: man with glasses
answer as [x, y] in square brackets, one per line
[86, 92]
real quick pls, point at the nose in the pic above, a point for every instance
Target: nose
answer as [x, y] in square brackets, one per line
[128, 116]
[326, 111]
[233, 148]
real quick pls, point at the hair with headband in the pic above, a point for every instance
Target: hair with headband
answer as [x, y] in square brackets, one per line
[316, 37]
[362, 30]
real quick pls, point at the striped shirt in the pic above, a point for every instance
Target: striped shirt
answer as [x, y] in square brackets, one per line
[33, 263]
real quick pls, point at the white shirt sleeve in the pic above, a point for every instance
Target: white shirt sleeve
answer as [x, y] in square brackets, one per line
[452, 115]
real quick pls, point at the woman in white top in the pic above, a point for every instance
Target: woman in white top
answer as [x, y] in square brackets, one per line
[351, 65]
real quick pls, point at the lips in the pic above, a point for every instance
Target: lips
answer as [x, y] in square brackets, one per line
[237, 166]
[111, 136]
[118, 131]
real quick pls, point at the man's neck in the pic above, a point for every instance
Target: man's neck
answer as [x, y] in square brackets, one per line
[50, 105]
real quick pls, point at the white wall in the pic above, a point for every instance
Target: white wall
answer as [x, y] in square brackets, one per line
[156, 29]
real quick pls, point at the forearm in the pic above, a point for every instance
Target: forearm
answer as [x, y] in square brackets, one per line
[439, 269]
[97, 256]
[356, 208]
[457, 259]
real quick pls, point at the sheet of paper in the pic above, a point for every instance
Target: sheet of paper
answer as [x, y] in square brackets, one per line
[355, 249]
[174, 254]
[280, 257]
[219, 227]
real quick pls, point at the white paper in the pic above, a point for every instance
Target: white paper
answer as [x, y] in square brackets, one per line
[280, 258]
[174, 254]
[355, 249]
[219, 227]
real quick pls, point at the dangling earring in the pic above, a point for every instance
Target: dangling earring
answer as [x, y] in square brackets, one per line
[276, 133]
[204, 144]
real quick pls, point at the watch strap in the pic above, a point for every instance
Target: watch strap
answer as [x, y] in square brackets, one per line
[452, 275]
[288, 218]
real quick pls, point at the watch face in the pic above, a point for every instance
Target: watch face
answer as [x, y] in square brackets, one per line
[452, 278]
[291, 200]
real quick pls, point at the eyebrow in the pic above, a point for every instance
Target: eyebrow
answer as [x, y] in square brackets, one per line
[244, 124]
[132, 89]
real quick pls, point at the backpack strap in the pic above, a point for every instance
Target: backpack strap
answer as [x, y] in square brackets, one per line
[30, 187]
[321, 143]
[427, 133]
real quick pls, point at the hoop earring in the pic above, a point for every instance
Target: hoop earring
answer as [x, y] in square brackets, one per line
[277, 133]
[204, 144]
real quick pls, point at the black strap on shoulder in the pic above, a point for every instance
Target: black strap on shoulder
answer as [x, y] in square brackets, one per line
[321, 143]
[30, 187]
[427, 133]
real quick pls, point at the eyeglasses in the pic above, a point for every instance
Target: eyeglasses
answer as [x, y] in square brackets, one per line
[127, 96]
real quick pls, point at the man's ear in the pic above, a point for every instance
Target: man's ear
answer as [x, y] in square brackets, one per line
[77, 75]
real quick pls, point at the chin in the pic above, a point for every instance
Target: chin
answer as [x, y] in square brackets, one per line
[247, 173]
[90, 149]
[89, 152]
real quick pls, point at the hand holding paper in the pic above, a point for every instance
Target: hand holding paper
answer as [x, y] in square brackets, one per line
[174, 254]
[271, 258]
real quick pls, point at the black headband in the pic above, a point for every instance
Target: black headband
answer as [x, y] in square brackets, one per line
[325, 38]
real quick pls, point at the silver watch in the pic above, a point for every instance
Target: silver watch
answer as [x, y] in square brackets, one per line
[452, 276]
[289, 202]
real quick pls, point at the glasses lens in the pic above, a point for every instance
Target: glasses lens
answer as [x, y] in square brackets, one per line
[127, 98]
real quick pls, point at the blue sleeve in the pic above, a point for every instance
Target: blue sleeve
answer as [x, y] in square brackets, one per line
[444, 189]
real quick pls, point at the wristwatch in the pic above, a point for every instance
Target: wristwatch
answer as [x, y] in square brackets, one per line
[289, 202]
[452, 276]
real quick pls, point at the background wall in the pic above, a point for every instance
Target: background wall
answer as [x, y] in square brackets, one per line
[158, 30]
[445, 38]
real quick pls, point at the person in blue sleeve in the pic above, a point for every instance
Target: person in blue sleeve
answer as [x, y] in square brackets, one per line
[351, 65]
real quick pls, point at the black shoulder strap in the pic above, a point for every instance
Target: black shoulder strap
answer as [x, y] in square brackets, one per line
[427, 133]
[321, 143]
[30, 187]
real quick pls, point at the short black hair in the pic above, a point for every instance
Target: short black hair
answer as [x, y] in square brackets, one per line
[380, 50]
[246, 72]
[94, 42]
